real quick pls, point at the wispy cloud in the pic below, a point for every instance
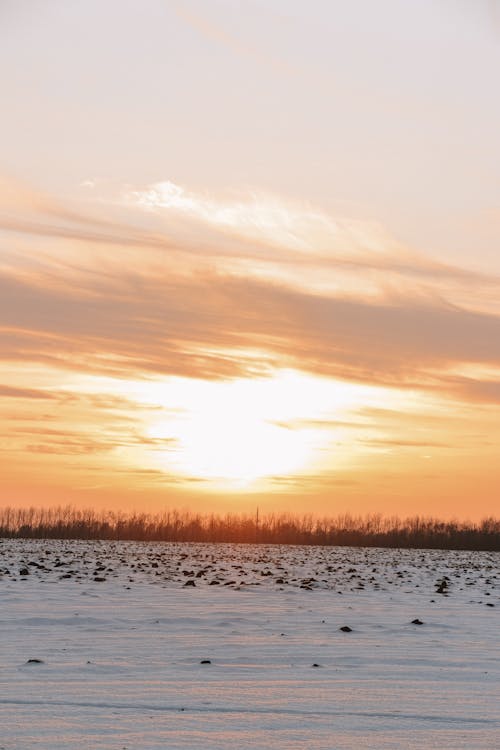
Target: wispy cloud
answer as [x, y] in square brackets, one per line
[216, 33]
[217, 326]
[370, 313]
[8, 391]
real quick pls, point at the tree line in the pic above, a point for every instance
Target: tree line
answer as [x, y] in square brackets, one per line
[371, 530]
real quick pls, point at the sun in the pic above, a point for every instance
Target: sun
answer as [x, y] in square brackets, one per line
[233, 433]
[250, 433]
[239, 446]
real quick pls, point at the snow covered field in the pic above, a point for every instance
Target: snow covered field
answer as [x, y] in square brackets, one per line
[121, 633]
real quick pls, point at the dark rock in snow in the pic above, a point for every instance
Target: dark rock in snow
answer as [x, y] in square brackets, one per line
[346, 629]
[416, 621]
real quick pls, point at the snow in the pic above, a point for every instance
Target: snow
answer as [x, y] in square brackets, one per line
[122, 657]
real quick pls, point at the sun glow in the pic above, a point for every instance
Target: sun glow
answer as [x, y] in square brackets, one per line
[239, 448]
[244, 434]
[235, 433]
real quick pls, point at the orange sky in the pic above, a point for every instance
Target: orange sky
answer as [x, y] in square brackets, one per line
[242, 266]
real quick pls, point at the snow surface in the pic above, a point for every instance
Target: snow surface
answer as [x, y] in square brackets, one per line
[121, 657]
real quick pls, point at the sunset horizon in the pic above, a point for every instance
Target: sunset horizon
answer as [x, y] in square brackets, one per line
[250, 258]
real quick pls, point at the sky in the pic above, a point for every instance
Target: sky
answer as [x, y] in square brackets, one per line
[250, 255]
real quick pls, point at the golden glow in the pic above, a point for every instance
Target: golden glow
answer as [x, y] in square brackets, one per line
[230, 432]
[233, 433]
[230, 286]
[289, 436]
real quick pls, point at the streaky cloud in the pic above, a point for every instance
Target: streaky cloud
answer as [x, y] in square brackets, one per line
[412, 325]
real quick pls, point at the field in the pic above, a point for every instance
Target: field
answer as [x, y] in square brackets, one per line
[138, 646]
